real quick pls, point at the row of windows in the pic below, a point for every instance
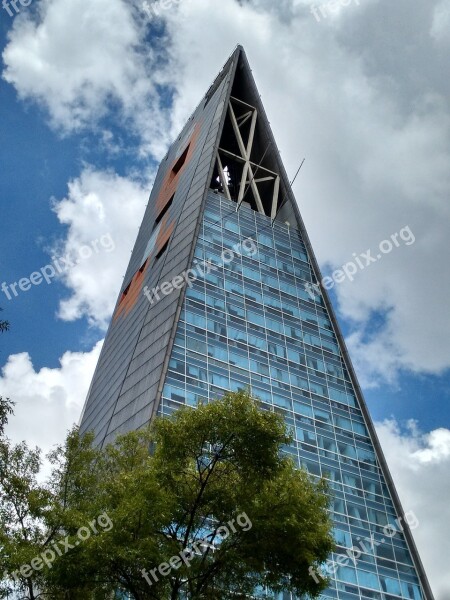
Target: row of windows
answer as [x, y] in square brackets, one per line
[222, 361]
[260, 305]
[270, 353]
[265, 354]
[245, 222]
[341, 417]
[263, 342]
[385, 550]
[220, 249]
[300, 377]
[255, 272]
[239, 330]
[390, 585]
[324, 416]
[269, 388]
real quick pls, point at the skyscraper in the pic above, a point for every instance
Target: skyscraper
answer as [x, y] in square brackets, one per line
[218, 296]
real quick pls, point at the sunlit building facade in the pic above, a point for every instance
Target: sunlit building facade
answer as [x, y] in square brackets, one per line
[217, 297]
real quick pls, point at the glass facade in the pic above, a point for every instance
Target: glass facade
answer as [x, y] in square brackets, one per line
[251, 322]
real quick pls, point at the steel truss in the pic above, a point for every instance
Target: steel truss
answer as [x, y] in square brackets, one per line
[250, 169]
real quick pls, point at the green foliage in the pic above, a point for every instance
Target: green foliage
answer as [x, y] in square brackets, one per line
[215, 473]
[22, 504]
[206, 467]
[6, 410]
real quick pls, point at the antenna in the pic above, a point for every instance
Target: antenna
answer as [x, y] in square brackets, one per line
[285, 195]
[298, 171]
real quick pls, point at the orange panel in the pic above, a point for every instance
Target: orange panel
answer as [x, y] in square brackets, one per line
[171, 179]
[168, 188]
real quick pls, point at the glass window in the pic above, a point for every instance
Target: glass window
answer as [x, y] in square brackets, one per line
[255, 341]
[237, 334]
[235, 311]
[272, 301]
[347, 450]
[197, 320]
[252, 274]
[233, 286]
[342, 422]
[217, 352]
[390, 585]
[366, 455]
[347, 574]
[356, 511]
[410, 591]
[281, 401]
[327, 444]
[312, 467]
[265, 240]
[322, 415]
[230, 225]
[303, 409]
[342, 538]
[352, 480]
[219, 380]
[321, 390]
[360, 429]
[255, 317]
[213, 302]
[275, 325]
[368, 580]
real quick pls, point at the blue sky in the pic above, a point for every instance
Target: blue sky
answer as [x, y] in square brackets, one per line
[91, 96]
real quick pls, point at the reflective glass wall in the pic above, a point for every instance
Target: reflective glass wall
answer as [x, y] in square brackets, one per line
[250, 321]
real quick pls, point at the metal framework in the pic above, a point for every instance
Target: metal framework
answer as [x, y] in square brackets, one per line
[250, 169]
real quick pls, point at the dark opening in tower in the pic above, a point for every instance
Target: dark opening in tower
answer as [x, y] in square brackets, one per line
[246, 166]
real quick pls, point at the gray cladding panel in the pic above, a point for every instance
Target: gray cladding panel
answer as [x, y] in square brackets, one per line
[130, 367]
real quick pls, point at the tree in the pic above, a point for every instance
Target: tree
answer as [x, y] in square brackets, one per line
[204, 505]
[21, 534]
[36, 516]
[6, 410]
[22, 501]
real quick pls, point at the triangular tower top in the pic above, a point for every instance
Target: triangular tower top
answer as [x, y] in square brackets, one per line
[248, 164]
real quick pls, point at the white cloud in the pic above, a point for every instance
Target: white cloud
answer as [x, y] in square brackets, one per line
[79, 60]
[440, 28]
[49, 401]
[420, 464]
[106, 207]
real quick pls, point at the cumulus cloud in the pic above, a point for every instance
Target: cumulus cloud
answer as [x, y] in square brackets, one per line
[440, 28]
[80, 61]
[102, 212]
[420, 464]
[49, 401]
